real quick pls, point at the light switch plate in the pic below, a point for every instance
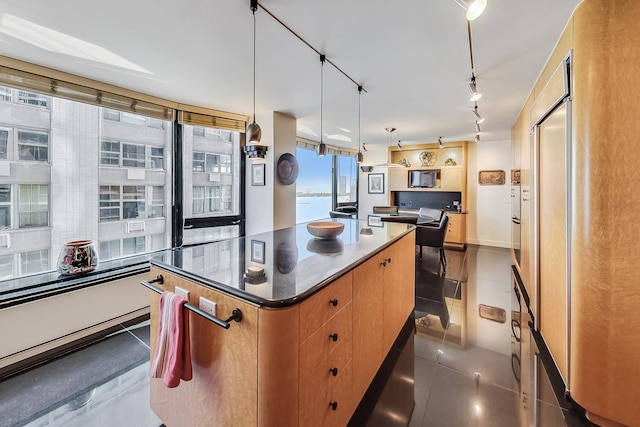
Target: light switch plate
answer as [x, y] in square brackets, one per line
[182, 292]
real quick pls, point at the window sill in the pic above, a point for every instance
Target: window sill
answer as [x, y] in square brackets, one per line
[25, 289]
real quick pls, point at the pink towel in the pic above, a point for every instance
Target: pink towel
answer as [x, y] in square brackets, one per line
[172, 360]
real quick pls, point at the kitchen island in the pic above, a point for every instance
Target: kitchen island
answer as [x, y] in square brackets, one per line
[313, 334]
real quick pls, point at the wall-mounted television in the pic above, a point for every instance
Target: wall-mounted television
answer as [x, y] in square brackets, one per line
[427, 179]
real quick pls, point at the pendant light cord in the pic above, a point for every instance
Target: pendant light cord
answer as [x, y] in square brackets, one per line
[359, 96]
[322, 57]
[254, 64]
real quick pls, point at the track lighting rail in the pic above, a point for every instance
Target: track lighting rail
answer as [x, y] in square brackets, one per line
[309, 46]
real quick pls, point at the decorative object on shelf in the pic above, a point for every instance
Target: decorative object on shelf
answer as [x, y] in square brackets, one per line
[325, 229]
[366, 168]
[492, 177]
[257, 251]
[376, 183]
[325, 246]
[257, 174]
[287, 169]
[428, 158]
[255, 275]
[405, 163]
[77, 257]
[286, 256]
[450, 162]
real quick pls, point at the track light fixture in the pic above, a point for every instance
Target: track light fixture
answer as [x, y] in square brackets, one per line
[321, 149]
[474, 8]
[478, 131]
[252, 148]
[440, 143]
[479, 118]
[477, 137]
[475, 95]
[399, 145]
[359, 155]
[364, 148]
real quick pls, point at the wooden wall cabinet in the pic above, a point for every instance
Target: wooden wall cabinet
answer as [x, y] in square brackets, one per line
[305, 365]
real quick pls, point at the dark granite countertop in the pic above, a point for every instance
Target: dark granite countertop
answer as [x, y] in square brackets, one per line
[296, 264]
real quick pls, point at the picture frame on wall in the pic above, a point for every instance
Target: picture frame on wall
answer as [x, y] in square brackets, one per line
[491, 177]
[257, 174]
[376, 183]
[257, 251]
[374, 221]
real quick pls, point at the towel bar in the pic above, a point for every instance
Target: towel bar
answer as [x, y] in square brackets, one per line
[236, 314]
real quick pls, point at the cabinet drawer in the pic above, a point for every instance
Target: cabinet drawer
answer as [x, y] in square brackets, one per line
[327, 404]
[321, 343]
[315, 367]
[318, 309]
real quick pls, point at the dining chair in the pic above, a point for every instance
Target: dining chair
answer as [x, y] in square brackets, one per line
[433, 237]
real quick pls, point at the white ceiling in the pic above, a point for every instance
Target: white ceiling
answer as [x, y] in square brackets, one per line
[411, 56]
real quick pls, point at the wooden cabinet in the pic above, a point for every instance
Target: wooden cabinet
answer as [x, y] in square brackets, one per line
[457, 230]
[309, 364]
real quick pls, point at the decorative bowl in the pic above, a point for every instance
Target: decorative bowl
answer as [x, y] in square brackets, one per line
[77, 257]
[325, 246]
[325, 230]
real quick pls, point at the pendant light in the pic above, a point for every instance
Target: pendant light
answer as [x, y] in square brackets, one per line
[359, 155]
[389, 139]
[475, 95]
[321, 149]
[252, 148]
[474, 8]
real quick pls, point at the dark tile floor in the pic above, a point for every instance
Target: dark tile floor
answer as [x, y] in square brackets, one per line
[463, 375]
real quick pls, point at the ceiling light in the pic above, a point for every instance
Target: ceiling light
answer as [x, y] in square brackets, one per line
[479, 118]
[321, 149]
[478, 131]
[399, 145]
[477, 137]
[440, 143]
[389, 139]
[474, 8]
[363, 147]
[253, 132]
[359, 155]
[475, 95]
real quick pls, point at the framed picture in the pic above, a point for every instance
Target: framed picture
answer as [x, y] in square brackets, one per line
[374, 221]
[257, 251]
[491, 177]
[376, 183]
[257, 174]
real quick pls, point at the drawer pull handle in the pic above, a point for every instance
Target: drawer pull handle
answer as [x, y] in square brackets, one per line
[389, 260]
[334, 371]
[334, 337]
[384, 263]
[333, 405]
[334, 302]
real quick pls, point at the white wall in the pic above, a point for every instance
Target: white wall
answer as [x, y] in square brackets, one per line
[489, 206]
[259, 199]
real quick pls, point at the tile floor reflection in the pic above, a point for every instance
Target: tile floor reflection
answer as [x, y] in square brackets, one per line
[463, 362]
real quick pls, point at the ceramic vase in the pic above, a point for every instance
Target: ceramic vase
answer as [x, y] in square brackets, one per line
[77, 257]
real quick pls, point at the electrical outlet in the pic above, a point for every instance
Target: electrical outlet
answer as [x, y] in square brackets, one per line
[207, 306]
[182, 292]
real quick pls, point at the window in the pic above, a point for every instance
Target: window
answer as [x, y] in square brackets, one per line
[347, 180]
[33, 206]
[133, 201]
[110, 114]
[198, 162]
[133, 156]
[155, 123]
[133, 245]
[110, 153]
[134, 119]
[109, 203]
[34, 262]
[33, 98]
[6, 267]
[198, 131]
[212, 163]
[156, 210]
[6, 94]
[5, 206]
[109, 249]
[314, 184]
[33, 145]
[198, 200]
[157, 157]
